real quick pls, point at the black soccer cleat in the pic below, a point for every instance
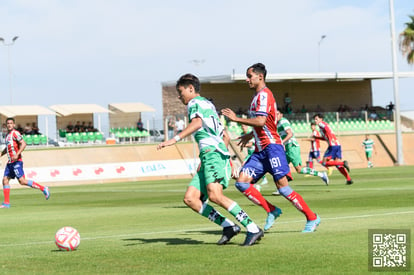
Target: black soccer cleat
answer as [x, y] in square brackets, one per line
[252, 238]
[349, 182]
[228, 233]
[346, 165]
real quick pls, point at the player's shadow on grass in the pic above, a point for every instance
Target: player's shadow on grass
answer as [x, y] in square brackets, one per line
[167, 241]
[174, 241]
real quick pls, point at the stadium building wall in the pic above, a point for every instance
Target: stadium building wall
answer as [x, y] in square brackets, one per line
[327, 94]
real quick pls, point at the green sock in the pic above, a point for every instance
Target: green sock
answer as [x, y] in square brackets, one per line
[240, 215]
[309, 171]
[212, 214]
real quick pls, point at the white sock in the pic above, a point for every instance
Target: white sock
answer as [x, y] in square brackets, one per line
[253, 228]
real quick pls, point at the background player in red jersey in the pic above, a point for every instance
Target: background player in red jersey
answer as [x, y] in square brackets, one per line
[315, 149]
[333, 154]
[14, 168]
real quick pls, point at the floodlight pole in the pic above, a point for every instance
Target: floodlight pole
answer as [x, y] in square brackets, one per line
[319, 52]
[8, 45]
[397, 118]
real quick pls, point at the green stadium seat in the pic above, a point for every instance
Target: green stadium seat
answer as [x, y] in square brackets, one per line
[120, 135]
[36, 139]
[70, 138]
[62, 133]
[98, 137]
[91, 137]
[76, 137]
[43, 139]
[28, 139]
[84, 137]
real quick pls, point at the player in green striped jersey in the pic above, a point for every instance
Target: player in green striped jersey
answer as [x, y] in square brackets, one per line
[369, 146]
[214, 172]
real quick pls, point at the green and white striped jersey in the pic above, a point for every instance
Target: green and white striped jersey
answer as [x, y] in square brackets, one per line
[368, 144]
[210, 135]
[282, 126]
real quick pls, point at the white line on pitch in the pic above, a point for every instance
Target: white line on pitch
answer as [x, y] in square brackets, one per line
[205, 228]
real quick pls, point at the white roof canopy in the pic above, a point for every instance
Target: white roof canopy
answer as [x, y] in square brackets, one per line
[305, 77]
[131, 107]
[73, 109]
[24, 110]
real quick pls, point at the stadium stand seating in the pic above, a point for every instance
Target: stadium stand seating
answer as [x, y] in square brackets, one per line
[301, 128]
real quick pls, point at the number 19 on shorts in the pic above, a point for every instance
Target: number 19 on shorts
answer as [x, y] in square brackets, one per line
[275, 162]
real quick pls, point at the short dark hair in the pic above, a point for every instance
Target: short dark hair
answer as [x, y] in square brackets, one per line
[318, 115]
[313, 124]
[259, 68]
[10, 118]
[188, 79]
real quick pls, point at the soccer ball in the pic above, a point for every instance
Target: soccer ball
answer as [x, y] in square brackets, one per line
[67, 238]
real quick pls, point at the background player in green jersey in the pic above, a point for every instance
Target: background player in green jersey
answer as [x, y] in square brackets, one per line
[292, 149]
[369, 147]
[214, 171]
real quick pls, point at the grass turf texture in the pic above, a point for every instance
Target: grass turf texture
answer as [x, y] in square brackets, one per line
[144, 228]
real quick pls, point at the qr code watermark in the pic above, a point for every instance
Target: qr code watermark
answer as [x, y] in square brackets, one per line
[389, 249]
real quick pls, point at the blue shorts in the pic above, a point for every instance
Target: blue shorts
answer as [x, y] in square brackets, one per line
[14, 170]
[314, 155]
[271, 160]
[333, 152]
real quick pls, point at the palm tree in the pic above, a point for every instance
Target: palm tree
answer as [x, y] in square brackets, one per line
[407, 41]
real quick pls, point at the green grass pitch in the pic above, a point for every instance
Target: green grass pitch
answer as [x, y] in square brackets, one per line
[144, 228]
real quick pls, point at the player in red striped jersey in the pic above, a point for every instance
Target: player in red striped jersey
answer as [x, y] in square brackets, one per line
[269, 155]
[14, 168]
[315, 149]
[333, 154]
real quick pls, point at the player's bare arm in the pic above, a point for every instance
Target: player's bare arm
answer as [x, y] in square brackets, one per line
[258, 121]
[245, 140]
[288, 136]
[195, 124]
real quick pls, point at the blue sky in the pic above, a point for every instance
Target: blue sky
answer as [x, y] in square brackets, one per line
[107, 51]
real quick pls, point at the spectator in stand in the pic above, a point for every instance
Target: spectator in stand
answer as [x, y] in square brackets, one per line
[140, 125]
[319, 109]
[27, 129]
[83, 126]
[70, 128]
[20, 129]
[303, 110]
[90, 127]
[390, 110]
[341, 108]
[78, 127]
[287, 100]
[373, 115]
[171, 127]
[35, 129]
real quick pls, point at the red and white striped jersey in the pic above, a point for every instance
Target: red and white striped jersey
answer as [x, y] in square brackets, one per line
[328, 134]
[12, 144]
[315, 144]
[264, 104]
